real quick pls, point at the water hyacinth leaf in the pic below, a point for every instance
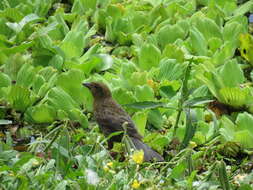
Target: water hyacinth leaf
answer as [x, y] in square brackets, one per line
[172, 51]
[144, 93]
[140, 120]
[75, 40]
[47, 73]
[17, 49]
[71, 82]
[232, 74]
[245, 138]
[207, 27]
[198, 41]
[61, 100]
[244, 121]
[170, 69]
[232, 31]
[41, 114]
[26, 75]
[149, 56]
[169, 34]
[235, 96]
[19, 97]
[155, 118]
[228, 129]
[4, 80]
[12, 13]
[123, 97]
[77, 115]
[17, 27]
[244, 8]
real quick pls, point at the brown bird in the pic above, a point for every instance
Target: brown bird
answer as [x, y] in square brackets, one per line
[111, 118]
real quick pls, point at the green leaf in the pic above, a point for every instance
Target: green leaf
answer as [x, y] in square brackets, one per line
[169, 34]
[155, 118]
[140, 120]
[244, 8]
[41, 114]
[170, 69]
[19, 97]
[245, 138]
[232, 74]
[71, 82]
[244, 121]
[4, 80]
[235, 97]
[61, 100]
[172, 51]
[149, 56]
[198, 42]
[26, 75]
[144, 93]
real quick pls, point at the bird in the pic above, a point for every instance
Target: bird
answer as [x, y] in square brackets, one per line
[111, 117]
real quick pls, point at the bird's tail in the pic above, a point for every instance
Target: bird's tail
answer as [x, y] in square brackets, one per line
[149, 153]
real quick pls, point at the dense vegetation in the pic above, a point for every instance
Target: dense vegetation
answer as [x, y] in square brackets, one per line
[181, 68]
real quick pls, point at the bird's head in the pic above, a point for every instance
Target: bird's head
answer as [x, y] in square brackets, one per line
[98, 90]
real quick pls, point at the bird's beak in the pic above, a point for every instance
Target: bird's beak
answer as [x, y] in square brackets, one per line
[87, 84]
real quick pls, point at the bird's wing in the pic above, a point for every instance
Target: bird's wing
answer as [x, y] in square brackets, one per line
[114, 123]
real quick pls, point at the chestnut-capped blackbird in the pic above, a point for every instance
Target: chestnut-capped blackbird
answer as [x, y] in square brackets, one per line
[112, 118]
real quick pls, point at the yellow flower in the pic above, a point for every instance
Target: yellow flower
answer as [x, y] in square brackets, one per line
[135, 184]
[138, 156]
[109, 164]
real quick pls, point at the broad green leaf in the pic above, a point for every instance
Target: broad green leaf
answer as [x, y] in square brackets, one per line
[228, 129]
[149, 56]
[19, 97]
[17, 27]
[77, 114]
[4, 80]
[138, 78]
[169, 34]
[26, 75]
[172, 51]
[61, 100]
[198, 42]
[71, 82]
[140, 120]
[155, 118]
[232, 74]
[122, 96]
[244, 121]
[245, 138]
[207, 27]
[170, 69]
[234, 96]
[232, 31]
[41, 114]
[244, 8]
[144, 93]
